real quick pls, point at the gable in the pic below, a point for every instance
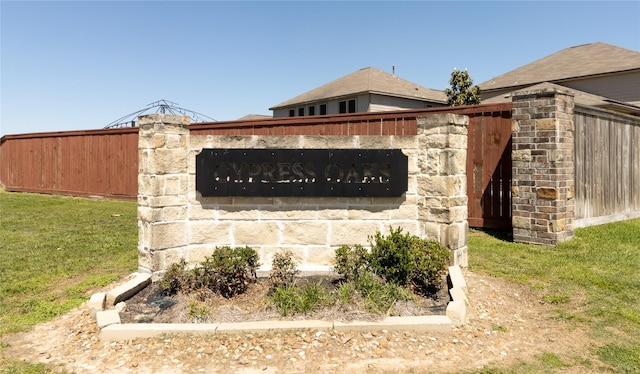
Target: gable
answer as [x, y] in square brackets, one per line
[582, 61]
[368, 80]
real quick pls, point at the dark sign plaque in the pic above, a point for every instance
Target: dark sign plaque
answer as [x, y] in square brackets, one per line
[302, 172]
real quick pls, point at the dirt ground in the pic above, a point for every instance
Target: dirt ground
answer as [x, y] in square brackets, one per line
[507, 323]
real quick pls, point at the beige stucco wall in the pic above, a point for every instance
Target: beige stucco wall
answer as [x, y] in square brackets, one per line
[176, 222]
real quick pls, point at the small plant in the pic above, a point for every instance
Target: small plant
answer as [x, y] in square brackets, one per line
[379, 296]
[234, 269]
[345, 292]
[429, 261]
[499, 328]
[292, 299]
[198, 310]
[228, 271]
[312, 297]
[555, 299]
[173, 279]
[351, 262]
[283, 270]
[284, 299]
[390, 256]
[402, 259]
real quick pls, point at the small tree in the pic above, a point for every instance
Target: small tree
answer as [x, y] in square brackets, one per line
[462, 91]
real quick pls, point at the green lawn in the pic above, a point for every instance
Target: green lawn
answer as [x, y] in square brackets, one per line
[55, 251]
[592, 280]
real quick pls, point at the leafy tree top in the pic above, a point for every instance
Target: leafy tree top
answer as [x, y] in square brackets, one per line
[461, 90]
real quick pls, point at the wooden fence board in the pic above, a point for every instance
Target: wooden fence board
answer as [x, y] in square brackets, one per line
[606, 155]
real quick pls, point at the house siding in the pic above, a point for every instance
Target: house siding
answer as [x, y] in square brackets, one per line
[622, 87]
[364, 103]
[380, 103]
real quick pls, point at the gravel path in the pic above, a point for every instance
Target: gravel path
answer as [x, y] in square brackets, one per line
[507, 323]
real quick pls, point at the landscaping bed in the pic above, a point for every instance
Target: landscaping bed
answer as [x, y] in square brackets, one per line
[151, 305]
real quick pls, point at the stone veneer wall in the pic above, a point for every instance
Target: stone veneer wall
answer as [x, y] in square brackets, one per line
[543, 181]
[175, 222]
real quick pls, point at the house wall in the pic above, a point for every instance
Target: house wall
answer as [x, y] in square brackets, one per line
[381, 103]
[176, 222]
[622, 87]
[364, 103]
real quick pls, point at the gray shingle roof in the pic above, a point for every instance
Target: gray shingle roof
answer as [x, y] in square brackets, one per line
[580, 98]
[367, 80]
[574, 62]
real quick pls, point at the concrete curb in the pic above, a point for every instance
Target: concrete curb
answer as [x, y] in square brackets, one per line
[111, 328]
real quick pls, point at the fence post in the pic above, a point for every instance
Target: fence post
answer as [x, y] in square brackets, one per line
[543, 181]
[163, 149]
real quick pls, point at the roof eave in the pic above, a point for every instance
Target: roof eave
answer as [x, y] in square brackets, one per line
[561, 80]
[303, 103]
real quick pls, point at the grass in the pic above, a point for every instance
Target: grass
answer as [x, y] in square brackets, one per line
[592, 280]
[54, 251]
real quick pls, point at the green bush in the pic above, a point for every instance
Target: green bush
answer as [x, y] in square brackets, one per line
[234, 269]
[351, 262]
[283, 270]
[390, 256]
[173, 279]
[228, 271]
[429, 262]
[400, 259]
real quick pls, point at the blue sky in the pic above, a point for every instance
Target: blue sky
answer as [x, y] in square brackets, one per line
[80, 65]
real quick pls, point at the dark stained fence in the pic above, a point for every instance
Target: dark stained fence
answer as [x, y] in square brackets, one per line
[80, 163]
[489, 166]
[385, 123]
[105, 162]
[607, 163]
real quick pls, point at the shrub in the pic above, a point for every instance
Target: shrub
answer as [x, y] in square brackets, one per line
[283, 270]
[173, 279]
[351, 262]
[429, 261]
[228, 271]
[400, 259]
[390, 256]
[233, 269]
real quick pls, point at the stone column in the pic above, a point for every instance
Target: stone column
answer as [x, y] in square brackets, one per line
[162, 190]
[442, 182]
[543, 166]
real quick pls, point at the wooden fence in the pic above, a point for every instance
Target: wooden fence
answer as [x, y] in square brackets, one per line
[607, 165]
[105, 162]
[489, 168]
[79, 163]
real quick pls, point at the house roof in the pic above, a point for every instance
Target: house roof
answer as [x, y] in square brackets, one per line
[580, 98]
[367, 80]
[251, 117]
[570, 63]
